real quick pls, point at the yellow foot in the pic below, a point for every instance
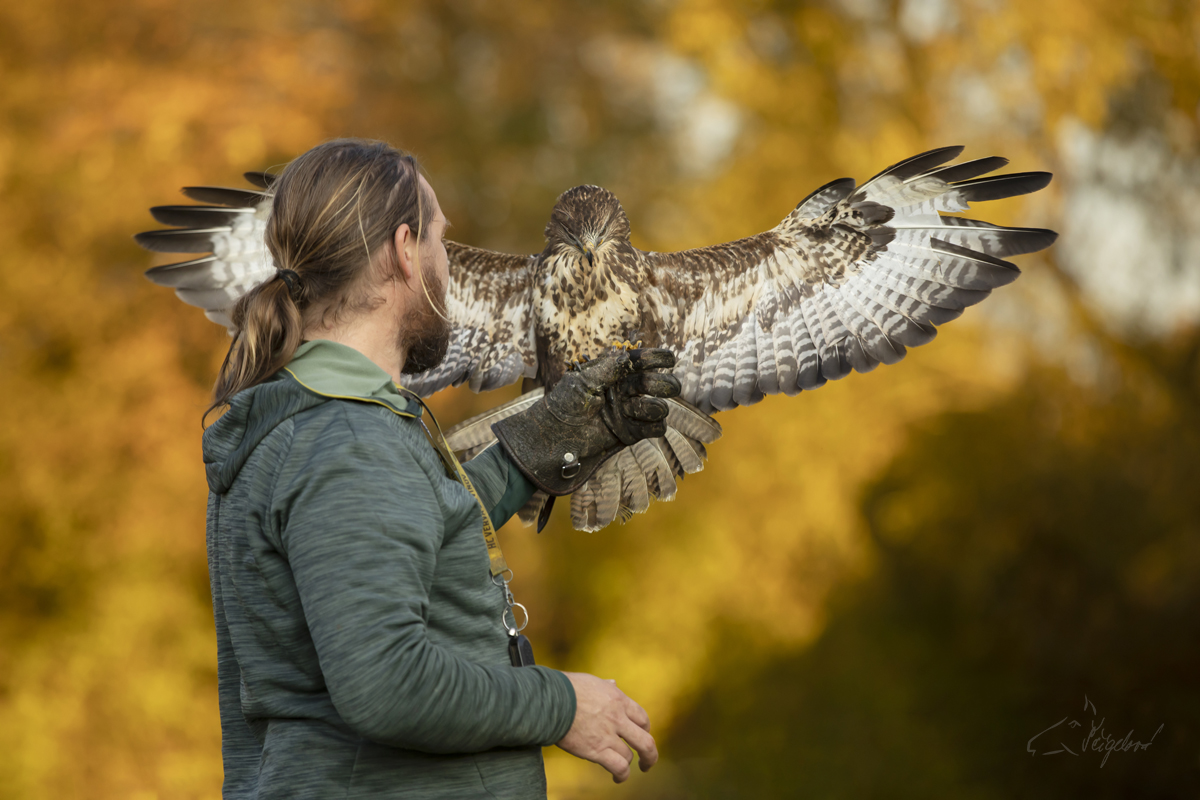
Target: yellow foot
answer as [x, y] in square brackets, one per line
[625, 345]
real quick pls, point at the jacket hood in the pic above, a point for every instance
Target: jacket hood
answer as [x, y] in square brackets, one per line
[320, 371]
[253, 413]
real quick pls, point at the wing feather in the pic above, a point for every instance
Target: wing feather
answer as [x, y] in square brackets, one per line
[808, 363]
[849, 280]
[230, 232]
[490, 302]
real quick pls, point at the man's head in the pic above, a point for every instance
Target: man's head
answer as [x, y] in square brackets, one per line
[424, 327]
[357, 232]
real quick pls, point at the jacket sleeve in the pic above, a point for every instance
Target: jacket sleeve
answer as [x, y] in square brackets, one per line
[361, 528]
[501, 486]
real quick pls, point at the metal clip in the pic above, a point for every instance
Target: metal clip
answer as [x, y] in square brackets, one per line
[570, 466]
[513, 629]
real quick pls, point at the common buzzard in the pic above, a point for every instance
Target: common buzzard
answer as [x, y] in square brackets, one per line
[847, 281]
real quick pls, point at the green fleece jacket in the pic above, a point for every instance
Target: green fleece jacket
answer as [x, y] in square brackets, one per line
[359, 641]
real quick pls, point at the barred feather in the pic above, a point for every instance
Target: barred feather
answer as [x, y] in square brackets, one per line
[472, 436]
[849, 280]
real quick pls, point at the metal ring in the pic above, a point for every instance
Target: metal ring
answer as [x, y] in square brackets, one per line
[513, 629]
[503, 580]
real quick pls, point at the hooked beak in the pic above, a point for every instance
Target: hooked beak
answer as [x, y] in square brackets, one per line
[590, 255]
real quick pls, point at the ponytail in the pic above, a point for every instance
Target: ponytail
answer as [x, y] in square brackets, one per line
[334, 209]
[269, 330]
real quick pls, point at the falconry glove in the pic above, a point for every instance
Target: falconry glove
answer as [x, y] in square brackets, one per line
[595, 409]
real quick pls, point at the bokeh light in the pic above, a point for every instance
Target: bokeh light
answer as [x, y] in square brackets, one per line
[880, 589]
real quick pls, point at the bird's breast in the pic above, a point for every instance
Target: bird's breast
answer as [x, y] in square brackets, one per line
[580, 312]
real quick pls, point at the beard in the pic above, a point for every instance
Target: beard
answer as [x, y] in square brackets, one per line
[425, 337]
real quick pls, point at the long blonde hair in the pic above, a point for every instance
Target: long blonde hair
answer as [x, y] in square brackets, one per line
[334, 209]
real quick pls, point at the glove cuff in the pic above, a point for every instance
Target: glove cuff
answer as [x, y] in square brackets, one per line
[549, 453]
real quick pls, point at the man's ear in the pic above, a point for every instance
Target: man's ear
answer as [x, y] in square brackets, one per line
[406, 247]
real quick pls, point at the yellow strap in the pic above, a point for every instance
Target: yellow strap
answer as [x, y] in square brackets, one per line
[454, 469]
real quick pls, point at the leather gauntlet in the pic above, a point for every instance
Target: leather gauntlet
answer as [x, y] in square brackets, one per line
[596, 409]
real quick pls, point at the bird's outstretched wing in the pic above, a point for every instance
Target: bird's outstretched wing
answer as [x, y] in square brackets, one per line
[490, 303]
[849, 280]
[488, 299]
[229, 231]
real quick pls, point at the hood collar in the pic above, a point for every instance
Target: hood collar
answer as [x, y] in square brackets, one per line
[319, 371]
[335, 370]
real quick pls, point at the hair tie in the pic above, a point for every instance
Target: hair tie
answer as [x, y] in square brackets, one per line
[291, 278]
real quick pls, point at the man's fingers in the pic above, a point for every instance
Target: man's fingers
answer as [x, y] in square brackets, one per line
[609, 728]
[651, 358]
[615, 762]
[642, 742]
[637, 714]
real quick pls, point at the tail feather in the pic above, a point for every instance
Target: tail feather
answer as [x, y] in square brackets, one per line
[635, 490]
[528, 513]
[685, 453]
[608, 493]
[659, 478]
[625, 484]
[471, 434]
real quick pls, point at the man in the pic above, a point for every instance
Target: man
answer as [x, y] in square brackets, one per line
[361, 647]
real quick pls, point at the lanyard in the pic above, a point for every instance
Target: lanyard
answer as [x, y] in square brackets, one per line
[501, 574]
[496, 564]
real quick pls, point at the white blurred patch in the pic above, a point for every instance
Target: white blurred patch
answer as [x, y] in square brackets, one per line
[1002, 97]
[643, 77]
[1131, 227]
[865, 10]
[922, 21]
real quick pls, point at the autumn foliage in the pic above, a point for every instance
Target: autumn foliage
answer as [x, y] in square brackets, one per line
[882, 588]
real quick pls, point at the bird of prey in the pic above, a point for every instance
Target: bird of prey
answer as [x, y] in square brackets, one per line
[850, 279]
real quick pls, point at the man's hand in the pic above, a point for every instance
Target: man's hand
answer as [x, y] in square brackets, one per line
[608, 403]
[604, 716]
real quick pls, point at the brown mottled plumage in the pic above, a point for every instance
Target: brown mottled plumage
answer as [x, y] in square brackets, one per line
[848, 280]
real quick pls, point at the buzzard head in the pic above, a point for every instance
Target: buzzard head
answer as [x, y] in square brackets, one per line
[584, 220]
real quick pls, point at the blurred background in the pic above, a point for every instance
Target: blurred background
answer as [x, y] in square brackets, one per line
[881, 589]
